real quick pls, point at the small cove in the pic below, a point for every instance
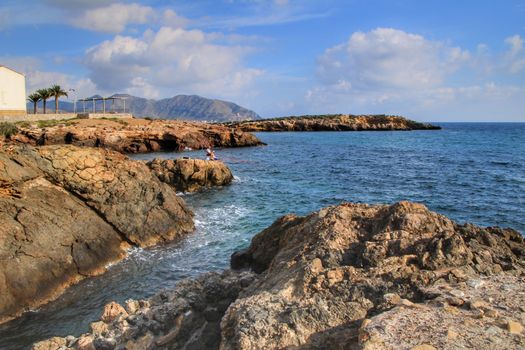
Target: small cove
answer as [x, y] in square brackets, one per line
[471, 172]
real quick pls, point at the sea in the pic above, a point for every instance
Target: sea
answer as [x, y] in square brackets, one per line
[470, 172]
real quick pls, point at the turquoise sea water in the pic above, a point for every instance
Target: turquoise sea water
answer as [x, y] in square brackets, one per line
[471, 172]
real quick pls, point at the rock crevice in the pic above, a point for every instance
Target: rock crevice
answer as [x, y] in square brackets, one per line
[67, 212]
[352, 276]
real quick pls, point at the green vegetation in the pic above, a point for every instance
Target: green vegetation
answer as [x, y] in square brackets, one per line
[44, 94]
[376, 117]
[55, 122]
[56, 91]
[34, 98]
[116, 120]
[23, 124]
[8, 129]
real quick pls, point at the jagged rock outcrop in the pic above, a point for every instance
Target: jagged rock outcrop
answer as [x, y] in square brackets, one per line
[66, 212]
[187, 317]
[135, 135]
[336, 122]
[190, 175]
[332, 279]
[324, 273]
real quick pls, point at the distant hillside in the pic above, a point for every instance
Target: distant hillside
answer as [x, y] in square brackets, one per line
[189, 107]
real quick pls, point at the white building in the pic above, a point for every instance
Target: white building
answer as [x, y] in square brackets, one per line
[12, 92]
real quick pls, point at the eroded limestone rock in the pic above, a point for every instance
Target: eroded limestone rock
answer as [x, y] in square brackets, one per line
[136, 135]
[337, 278]
[66, 212]
[189, 175]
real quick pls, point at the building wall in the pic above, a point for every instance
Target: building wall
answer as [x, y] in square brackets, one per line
[12, 92]
[23, 117]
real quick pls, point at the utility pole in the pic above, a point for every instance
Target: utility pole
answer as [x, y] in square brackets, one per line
[74, 100]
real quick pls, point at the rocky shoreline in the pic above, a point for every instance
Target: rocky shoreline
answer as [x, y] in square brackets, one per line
[133, 135]
[336, 122]
[68, 211]
[190, 175]
[352, 276]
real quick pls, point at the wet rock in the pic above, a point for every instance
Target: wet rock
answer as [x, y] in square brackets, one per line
[189, 175]
[104, 343]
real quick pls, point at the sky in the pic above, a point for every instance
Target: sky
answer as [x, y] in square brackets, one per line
[427, 60]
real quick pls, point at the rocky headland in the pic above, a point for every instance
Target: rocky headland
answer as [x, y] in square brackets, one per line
[67, 211]
[336, 122]
[133, 135]
[190, 175]
[352, 276]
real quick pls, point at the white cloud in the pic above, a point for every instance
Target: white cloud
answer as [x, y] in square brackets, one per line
[515, 57]
[76, 5]
[170, 60]
[389, 58]
[114, 18]
[392, 71]
[171, 19]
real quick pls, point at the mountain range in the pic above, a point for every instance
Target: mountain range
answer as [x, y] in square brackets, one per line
[190, 107]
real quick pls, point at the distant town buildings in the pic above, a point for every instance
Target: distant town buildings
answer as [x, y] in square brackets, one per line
[12, 92]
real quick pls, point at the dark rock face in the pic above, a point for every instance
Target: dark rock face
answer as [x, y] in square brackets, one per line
[338, 122]
[66, 212]
[137, 135]
[189, 175]
[333, 279]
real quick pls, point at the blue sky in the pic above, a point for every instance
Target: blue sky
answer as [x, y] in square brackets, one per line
[428, 60]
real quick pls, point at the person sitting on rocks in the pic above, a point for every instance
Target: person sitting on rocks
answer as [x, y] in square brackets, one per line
[210, 155]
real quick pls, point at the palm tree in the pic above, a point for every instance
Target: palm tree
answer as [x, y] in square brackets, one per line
[44, 95]
[35, 97]
[56, 92]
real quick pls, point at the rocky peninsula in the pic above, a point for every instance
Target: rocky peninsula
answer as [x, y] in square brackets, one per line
[352, 276]
[69, 211]
[335, 122]
[133, 135]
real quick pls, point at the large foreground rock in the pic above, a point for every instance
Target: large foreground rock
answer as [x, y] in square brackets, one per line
[352, 276]
[135, 135]
[190, 175]
[66, 212]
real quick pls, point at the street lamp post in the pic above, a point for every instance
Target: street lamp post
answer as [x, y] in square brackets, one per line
[74, 100]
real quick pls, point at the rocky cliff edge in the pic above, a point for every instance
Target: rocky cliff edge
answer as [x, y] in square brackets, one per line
[67, 211]
[352, 276]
